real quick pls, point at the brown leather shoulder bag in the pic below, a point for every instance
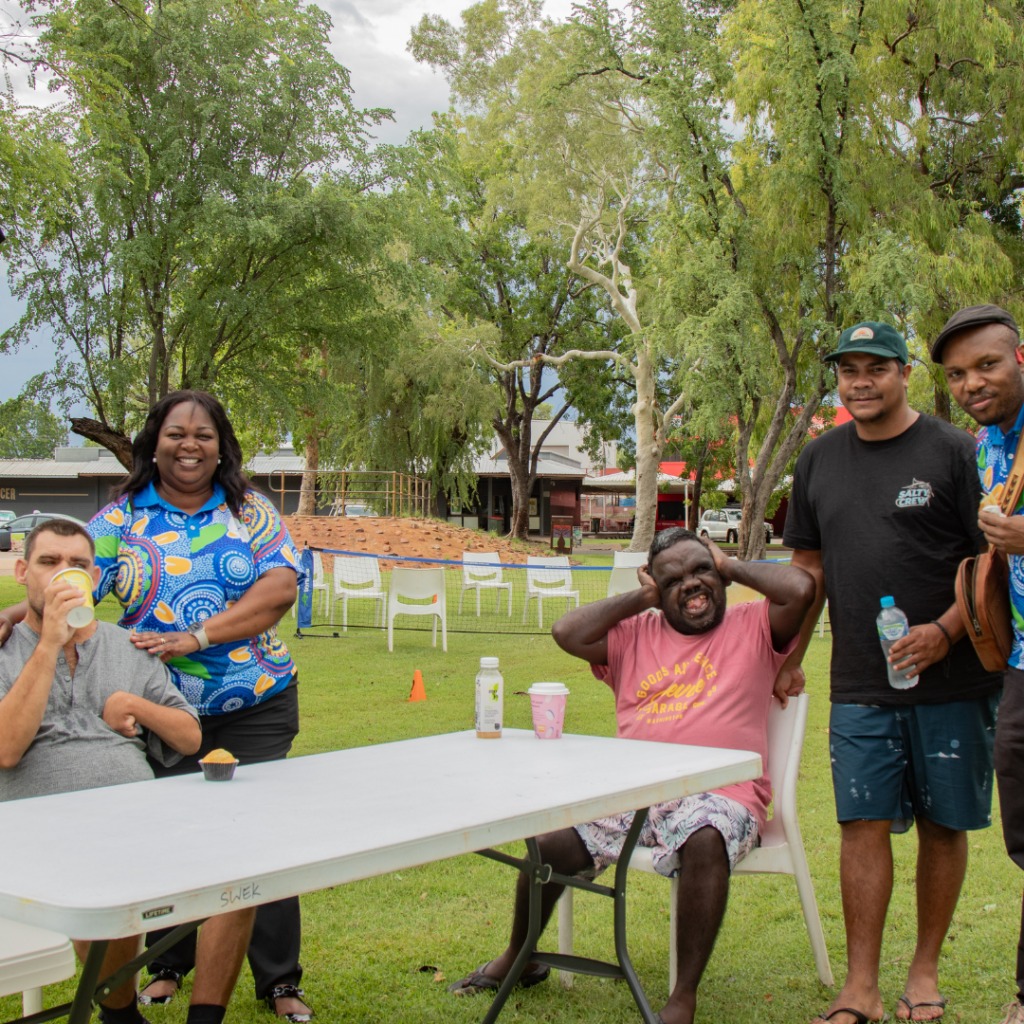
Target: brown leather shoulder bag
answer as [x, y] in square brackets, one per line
[983, 586]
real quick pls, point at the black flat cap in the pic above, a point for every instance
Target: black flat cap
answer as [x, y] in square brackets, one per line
[972, 316]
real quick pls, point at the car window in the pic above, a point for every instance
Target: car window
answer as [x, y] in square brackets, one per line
[22, 524]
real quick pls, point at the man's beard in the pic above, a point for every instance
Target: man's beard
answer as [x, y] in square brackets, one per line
[1004, 407]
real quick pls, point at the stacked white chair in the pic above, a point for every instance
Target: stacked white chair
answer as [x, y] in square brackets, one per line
[548, 577]
[357, 579]
[31, 958]
[781, 851]
[483, 577]
[418, 585]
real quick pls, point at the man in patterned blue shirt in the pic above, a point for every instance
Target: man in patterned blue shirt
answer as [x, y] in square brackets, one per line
[979, 348]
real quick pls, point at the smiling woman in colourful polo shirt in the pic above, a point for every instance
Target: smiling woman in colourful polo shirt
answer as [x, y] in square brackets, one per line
[204, 569]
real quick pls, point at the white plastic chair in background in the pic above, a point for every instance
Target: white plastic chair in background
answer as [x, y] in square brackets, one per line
[31, 958]
[821, 621]
[483, 577]
[621, 580]
[418, 585]
[781, 851]
[357, 579]
[629, 560]
[548, 577]
[320, 585]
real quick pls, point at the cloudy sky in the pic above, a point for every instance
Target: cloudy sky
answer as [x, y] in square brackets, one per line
[369, 37]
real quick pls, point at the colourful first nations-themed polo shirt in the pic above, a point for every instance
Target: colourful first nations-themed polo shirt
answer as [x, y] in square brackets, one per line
[995, 460]
[168, 570]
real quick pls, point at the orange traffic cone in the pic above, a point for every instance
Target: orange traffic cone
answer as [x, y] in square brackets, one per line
[418, 692]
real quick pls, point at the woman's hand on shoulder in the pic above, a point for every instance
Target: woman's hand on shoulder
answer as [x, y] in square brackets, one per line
[166, 645]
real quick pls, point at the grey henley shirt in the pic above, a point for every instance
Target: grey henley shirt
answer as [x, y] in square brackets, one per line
[75, 748]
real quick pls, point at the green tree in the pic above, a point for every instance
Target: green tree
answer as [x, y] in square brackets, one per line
[28, 430]
[207, 219]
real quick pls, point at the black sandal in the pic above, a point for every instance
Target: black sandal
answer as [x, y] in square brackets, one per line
[476, 981]
[163, 975]
[905, 999]
[288, 992]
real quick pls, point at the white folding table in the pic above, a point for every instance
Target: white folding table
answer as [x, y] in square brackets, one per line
[79, 867]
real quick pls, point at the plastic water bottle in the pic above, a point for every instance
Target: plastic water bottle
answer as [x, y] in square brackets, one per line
[490, 697]
[892, 625]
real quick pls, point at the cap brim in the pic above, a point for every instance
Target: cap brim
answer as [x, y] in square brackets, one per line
[951, 332]
[870, 350]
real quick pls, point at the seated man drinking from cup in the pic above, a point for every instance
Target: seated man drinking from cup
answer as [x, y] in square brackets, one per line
[73, 703]
[699, 673]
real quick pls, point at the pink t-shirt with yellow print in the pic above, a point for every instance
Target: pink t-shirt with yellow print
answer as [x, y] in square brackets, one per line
[711, 689]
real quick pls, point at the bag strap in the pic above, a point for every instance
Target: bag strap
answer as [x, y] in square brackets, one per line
[1015, 481]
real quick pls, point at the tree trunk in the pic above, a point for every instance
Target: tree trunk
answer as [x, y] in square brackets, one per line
[113, 440]
[698, 490]
[307, 492]
[520, 525]
[751, 541]
[648, 455]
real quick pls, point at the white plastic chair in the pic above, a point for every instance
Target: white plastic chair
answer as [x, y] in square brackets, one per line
[355, 579]
[31, 958]
[319, 585]
[629, 560]
[548, 577]
[418, 585]
[781, 851]
[621, 580]
[488, 577]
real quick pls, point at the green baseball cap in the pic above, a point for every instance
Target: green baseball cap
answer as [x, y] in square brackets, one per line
[874, 338]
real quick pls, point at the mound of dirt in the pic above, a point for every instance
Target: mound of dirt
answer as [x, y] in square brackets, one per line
[398, 537]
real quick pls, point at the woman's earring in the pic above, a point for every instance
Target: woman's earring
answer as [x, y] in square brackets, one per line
[218, 462]
[154, 458]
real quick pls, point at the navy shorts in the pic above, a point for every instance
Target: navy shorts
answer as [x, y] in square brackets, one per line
[932, 760]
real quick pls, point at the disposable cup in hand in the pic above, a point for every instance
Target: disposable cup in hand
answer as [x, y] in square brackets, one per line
[547, 701]
[83, 614]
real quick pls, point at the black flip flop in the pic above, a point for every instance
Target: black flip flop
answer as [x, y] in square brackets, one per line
[941, 1004]
[476, 981]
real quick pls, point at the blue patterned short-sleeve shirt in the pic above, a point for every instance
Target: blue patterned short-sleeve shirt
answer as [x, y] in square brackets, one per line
[168, 569]
[995, 460]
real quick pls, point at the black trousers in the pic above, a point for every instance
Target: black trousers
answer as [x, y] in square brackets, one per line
[263, 732]
[1009, 757]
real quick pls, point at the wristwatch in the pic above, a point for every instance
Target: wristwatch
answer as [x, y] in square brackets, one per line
[198, 630]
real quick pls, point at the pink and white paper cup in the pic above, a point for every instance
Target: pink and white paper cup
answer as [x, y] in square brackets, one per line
[548, 703]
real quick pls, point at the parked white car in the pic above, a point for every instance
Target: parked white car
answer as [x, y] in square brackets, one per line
[724, 524]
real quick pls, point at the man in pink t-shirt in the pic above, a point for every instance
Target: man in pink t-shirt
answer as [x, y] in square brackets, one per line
[697, 673]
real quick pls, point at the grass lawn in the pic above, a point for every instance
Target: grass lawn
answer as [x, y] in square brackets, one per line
[365, 943]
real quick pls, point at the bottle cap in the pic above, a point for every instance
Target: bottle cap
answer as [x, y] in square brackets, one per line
[488, 662]
[888, 602]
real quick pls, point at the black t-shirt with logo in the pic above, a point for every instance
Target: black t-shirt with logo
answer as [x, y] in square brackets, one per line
[892, 517]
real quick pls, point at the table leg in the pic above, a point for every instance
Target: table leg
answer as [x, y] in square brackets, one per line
[81, 1008]
[538, 880]
[540, 875]
[621, 945]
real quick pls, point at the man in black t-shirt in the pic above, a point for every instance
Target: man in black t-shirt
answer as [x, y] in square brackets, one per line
[887, 506]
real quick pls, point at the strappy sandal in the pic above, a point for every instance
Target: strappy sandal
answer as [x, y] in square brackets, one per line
[941, 1004]
[163, 975]
[288, 992]
[476, 981]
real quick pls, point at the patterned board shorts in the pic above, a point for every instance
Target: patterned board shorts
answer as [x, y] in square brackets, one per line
[667, 828]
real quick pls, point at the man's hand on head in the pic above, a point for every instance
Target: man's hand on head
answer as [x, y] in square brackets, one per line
[721, 559]
[118, 713]
[1004, 533]
[648, 585]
